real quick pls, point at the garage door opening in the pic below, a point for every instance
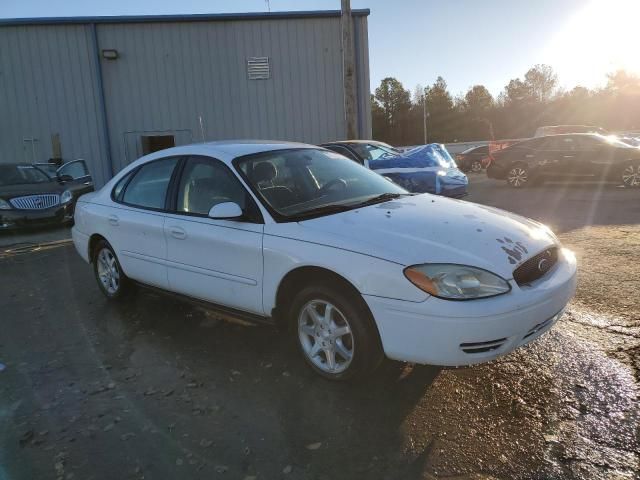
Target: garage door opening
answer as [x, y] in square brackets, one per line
[153, 143]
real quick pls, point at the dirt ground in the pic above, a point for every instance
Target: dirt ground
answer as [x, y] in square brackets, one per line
[157, 389]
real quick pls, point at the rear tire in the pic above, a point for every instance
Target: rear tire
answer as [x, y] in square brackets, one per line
[335, 333]
[519, 176]
[112, 281]
[630, 175]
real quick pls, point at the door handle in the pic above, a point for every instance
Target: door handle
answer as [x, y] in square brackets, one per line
[177, 232]
[568, 156]
[113, 220]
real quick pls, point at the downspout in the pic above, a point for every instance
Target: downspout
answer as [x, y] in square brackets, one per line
[359, 88]
[102, 105]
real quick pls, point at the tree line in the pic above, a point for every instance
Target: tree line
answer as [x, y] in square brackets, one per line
[522, 106]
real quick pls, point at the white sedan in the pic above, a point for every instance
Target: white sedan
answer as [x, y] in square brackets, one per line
[353, 265]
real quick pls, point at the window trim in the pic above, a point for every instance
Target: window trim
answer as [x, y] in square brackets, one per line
[251, 212]
[133, 174]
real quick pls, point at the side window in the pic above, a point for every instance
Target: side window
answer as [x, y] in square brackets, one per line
[588, 143]
[76, 169]
[148, 187]
[206, 182]
[116, 194]
[345, 152]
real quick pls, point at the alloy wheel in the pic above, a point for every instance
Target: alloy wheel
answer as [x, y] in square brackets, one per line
[325, 336]
[631, 176]
[476, 167]
[517, 177]
[108, 273]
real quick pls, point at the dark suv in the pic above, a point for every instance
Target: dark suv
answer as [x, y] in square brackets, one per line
[580, 156]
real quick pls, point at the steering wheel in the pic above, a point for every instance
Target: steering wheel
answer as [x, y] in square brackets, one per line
[336, 181]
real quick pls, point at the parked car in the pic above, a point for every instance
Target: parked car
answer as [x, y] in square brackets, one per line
[473, 159]
[580, 156]
[423, 169]
[560, 129]
[41, 194]
[306, 239]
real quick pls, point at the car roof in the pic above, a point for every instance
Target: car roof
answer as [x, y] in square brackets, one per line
[225, 150]
[348, 142]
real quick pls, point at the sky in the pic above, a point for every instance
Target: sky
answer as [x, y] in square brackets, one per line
[467, 42]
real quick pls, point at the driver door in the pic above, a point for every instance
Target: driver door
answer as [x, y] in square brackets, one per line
[216, 260]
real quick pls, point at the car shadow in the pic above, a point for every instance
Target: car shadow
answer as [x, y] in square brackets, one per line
[257, 377]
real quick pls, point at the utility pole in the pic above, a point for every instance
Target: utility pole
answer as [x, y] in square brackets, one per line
[424, 114]
[349, 71]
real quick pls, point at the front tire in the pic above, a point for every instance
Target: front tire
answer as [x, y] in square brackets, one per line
[476, 166]
[519, 176]
[630, 175]
[112, 281]
[335, 333]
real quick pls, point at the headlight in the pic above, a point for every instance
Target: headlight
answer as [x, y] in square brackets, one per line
[4, 205]
[456, 282]
[66, 196]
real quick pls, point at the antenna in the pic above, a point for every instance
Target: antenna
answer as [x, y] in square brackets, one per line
[268, 5]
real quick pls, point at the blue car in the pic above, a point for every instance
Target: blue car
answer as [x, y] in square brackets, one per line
[423, 169]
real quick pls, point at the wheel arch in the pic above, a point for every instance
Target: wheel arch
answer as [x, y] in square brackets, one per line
[94, 240]
[303, 276]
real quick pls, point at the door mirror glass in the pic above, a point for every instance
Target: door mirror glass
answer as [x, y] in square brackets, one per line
[225, 210]
[65, 178]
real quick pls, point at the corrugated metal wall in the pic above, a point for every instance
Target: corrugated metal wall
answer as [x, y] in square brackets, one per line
[188, 79]
[48, 86]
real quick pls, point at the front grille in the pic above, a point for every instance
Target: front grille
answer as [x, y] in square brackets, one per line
[36, 202]
[536, 267]
[482, 347]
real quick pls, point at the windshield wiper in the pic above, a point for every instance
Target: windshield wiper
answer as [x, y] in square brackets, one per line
[323, 210]
[383, 197]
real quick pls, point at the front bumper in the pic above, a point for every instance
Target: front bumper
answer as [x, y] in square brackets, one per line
[16, 219]
[455, 333]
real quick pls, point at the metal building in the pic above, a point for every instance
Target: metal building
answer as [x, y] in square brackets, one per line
[110, 89]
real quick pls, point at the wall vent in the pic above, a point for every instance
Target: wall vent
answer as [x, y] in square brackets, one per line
[258, 68]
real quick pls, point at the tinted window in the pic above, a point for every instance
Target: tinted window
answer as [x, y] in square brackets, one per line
[344, 151]
[148, 187]
[206, 182]
[560, 143]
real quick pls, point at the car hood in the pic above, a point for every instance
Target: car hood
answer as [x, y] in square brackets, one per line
[431, 229]
[11, 191]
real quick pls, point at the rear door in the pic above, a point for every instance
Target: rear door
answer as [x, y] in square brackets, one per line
[554, 157]
[135, 223]
[214, 259]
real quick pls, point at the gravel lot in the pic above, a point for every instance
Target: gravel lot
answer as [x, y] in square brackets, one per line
[155, 388]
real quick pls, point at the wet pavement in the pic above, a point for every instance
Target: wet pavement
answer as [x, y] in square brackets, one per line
[155, 388]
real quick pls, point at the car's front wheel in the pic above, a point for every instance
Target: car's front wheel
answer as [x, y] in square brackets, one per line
[111, 279]
[518, 176]
[631, 175]
[335, 333]
[476, 166]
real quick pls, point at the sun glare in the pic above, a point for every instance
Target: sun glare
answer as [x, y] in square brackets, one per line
[600, 38]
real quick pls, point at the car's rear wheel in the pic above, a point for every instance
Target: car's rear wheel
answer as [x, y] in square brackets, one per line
[335, 333]
[518, 176]
[111, 279]
[631, 175]
[476, 166]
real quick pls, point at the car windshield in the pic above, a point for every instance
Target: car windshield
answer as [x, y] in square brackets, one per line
[21, 174]
[369, 151]
[304, 183]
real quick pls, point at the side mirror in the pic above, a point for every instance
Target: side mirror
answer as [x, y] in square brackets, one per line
[226, 210]
[65, 178]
